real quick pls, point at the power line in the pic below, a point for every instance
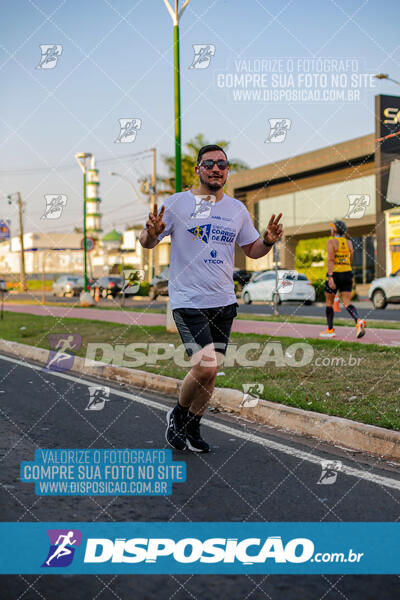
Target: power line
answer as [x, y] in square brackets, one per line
[68, 166]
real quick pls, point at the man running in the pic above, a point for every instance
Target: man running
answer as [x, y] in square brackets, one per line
[201, 287]
[340, 278]
[62, 550]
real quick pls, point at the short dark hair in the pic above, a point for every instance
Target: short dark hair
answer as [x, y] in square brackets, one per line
[209, 148]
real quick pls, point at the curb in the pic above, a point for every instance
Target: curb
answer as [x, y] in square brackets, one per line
[326, 428]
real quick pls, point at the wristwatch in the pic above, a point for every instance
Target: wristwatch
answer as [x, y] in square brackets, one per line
[267, 244]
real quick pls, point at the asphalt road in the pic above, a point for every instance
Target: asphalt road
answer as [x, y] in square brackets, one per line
[240, 480]
[365, 308]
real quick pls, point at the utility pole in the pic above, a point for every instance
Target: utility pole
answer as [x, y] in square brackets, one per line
[175, 16]
[276, 257]
[82, 158]
[21, 239]
[153, 198]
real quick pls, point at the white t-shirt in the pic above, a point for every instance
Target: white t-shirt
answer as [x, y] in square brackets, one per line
[203, 236]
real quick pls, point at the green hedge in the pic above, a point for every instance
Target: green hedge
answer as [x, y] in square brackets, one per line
[144, 289]
[319, 285]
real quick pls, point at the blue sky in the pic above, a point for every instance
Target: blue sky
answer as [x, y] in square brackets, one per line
[117, 62]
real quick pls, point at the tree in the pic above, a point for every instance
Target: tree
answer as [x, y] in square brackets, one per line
[166, 185]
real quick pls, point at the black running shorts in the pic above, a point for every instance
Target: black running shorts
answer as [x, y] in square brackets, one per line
[199, 327]
[343, 281]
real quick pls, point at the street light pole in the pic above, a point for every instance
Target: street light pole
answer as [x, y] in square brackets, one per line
[84, 231]
[386, 76]
[175, 16]
[148, 253]
[21, 239]
[81, 158]
[132, 185]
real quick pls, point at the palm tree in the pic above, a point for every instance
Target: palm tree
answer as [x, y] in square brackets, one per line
[166, 185]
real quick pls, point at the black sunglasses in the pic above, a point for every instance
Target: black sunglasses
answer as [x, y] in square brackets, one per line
[209, 164]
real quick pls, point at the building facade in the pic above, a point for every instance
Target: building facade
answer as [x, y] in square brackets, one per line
[357, 181]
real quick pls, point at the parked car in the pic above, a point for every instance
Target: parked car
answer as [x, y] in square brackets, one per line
[385, 290]
[110, 285]
[255, 274]
[3, 285]
[68, 285]
[159, 284]
[242, 276]
[291, 286]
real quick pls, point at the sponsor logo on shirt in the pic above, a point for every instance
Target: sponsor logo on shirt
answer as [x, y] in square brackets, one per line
[220, 235]
[224, 235]
[221, 218]
[201, 232]
[213, 260]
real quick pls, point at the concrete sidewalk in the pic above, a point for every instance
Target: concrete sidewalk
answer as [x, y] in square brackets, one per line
[383, 337]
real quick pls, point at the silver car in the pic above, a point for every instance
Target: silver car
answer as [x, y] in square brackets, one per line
[3, 285]
[291, 286]
[68, 285]
[385, 290]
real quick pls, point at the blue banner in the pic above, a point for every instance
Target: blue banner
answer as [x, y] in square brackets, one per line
[191, 548]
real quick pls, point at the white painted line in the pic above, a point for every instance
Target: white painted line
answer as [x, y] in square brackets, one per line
[249, 437]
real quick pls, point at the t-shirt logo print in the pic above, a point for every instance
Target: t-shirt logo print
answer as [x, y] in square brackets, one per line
[201, 231]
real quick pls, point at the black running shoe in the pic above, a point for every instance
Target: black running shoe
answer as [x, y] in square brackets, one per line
[194, 440]
[176, 430]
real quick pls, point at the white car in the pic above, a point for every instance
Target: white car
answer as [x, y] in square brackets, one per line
[291, 286]
[385, 290]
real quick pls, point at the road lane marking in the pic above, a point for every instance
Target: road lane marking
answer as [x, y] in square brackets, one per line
[250, 437]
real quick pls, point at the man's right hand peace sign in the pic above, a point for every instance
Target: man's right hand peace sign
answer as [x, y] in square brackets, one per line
[155, 225]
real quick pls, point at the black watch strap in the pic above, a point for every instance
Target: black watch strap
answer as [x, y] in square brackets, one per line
[267, 244]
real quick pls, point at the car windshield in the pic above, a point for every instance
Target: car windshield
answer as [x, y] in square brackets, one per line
[293, 276]
[256, 276]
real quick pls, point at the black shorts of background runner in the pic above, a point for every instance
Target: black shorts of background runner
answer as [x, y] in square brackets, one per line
[343, 282]
[199, 327]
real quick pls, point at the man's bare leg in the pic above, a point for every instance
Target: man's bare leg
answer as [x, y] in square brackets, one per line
[196, 391]
[198, 385]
